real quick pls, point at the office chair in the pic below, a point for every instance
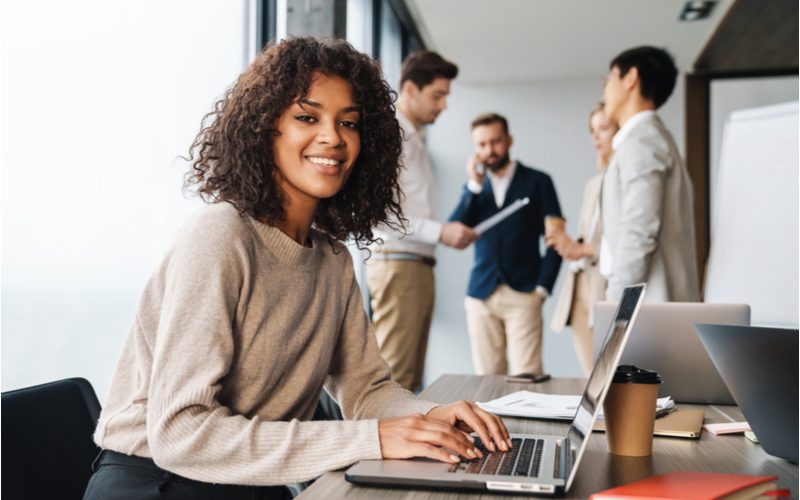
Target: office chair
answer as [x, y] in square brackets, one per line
[47, 440]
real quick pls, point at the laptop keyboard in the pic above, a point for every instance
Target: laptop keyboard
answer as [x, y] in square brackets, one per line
[524, 459]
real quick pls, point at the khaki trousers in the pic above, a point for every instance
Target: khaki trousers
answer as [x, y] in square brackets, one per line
[402, 293]
[579, 322]
[505, 332]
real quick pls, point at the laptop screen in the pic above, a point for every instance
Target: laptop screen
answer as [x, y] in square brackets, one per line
[600, 378]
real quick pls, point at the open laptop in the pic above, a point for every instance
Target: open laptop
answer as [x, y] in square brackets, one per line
[664, 340]
[536, 464]
[760, 367]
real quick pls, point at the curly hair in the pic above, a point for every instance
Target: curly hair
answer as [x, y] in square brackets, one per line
[233, 159]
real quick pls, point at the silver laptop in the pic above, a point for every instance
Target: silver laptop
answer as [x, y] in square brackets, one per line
[664, 340]
[760, 366]
[541, 465]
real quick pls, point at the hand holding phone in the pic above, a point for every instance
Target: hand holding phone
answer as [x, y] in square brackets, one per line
[475, 169]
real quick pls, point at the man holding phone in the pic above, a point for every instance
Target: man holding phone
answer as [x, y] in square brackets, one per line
[510, 279]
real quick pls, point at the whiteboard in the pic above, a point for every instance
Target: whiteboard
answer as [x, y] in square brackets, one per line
[753, 257]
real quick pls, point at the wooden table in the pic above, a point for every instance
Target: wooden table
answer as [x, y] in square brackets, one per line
[598, 470]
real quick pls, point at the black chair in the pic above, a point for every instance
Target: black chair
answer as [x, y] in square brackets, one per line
[47, 440]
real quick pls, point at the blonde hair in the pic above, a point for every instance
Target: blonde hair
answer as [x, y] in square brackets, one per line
[602, 162]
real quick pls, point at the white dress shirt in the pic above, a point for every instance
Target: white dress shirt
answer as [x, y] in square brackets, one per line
[418, 201]
[499, 184]
[606, 260]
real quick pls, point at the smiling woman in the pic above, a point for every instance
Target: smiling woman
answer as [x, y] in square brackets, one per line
[255, 308]
[236, 157]
[317, 146]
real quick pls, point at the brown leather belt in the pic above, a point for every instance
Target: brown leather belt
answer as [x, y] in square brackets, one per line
[404, 256]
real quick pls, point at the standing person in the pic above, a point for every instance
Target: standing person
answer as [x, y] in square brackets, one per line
[646, 201]
[584, 285]
[255, 308]
[510, 280]
[400, 270]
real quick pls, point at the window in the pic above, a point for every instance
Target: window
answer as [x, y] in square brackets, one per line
[99, 100]
[391, 44]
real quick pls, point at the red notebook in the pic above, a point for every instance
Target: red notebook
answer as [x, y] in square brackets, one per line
[692, 486]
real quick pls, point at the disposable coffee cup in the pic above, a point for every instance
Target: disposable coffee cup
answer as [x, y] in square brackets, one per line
[553, 224]
[630, 411]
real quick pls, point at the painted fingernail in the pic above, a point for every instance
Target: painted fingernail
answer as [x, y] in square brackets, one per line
[454, 458]
[471, 438]
[491, 446]
[471, 453]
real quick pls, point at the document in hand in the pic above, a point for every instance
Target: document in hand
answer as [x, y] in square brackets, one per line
[550, 406]
[499, 216]
[695, 485]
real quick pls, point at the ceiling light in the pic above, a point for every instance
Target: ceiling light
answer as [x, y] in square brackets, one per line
[695, 10]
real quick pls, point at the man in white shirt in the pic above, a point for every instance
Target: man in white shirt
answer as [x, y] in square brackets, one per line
[400, 270]
[646, 198]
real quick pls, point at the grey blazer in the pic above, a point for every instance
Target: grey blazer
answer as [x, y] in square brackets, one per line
[647, 214]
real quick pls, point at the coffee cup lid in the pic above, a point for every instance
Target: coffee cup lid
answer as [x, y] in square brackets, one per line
[630, 374]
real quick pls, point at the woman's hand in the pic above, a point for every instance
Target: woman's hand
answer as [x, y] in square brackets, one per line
[568, 248]
[558, 240]
[424, 436]
[468, 416]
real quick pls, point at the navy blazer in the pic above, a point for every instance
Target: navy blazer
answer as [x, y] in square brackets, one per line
[509, 252]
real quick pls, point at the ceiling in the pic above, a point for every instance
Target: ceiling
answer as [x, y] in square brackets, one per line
[532, 40]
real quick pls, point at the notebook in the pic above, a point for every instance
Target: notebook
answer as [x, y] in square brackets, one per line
[664, 340]
[536, 464]
[679, 423]
[694, 485]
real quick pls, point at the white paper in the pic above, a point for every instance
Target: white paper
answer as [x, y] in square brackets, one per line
[502, 214]
[549, 406]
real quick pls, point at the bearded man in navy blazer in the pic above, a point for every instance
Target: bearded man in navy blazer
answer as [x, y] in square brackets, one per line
[510, 278]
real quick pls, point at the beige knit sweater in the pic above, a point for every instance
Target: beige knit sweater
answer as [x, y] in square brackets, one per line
[235, 335]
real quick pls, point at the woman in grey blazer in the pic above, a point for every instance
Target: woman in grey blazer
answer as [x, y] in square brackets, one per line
[584, 284]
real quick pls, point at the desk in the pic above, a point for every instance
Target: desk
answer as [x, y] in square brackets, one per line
[598, 469]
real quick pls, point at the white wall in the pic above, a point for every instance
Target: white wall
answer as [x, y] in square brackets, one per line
[98, 99]
[549, 122]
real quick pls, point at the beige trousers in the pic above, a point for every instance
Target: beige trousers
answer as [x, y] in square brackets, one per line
[579, 322]
[505, 332]
[402, 294]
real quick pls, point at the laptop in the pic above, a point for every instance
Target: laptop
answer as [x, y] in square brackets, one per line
[536, 464]
[760, 367]
[664, 340]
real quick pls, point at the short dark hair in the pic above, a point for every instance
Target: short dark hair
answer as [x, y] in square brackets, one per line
[488, 119]
[657, 71]
[232, 158]
[424, 66]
